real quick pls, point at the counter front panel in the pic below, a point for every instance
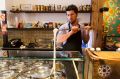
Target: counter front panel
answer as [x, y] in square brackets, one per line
[103, 64]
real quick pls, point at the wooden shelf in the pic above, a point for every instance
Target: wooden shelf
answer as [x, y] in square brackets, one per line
[29, 28]
[46, 11]
[33, 49]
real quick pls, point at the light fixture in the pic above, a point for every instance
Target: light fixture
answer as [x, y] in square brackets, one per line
[104, 9]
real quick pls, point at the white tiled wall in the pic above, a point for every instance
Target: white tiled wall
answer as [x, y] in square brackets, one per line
[47, 2]
[45, 17]
[2, 4]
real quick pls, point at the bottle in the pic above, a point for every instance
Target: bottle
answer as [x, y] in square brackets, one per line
[54, 8]
[16, 22]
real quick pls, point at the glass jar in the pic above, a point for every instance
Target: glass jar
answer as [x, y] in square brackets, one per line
[13, 8]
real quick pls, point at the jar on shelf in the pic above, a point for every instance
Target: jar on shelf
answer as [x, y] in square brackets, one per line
[13, 8]
[20, 25]
[84, 7]
[49, 8]
[50, 24]
[46, 25]
[34, 7]
[58, 8]
[88, 7]
[52, 7]
[42, 8]
[46, 8]
[38, 7]
[80, 8]
[64, 8]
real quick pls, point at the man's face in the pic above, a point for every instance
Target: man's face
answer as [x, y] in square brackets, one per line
[71, 16]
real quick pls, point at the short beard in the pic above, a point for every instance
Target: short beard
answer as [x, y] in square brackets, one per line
[73, 22]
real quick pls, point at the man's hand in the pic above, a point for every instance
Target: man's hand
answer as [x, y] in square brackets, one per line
[75, 29]
[87, 28]
[85, 34]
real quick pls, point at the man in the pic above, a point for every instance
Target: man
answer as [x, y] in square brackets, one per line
[70, 36]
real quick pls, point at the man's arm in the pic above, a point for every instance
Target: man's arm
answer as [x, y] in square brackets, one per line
[85, 34]
[63, 37]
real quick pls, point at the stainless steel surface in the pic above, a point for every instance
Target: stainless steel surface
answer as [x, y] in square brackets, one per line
[43, 54]
[29, 69]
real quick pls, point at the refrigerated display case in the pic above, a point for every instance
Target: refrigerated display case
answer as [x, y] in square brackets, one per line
[36, 64]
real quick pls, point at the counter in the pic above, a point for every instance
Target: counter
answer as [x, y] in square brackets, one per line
[102, 64]
[29, 63]
[41, 53]
[35, 49]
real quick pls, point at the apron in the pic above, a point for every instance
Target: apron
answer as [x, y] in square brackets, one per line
[74, 42]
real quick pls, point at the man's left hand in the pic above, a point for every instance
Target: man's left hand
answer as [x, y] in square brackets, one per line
[87, 28]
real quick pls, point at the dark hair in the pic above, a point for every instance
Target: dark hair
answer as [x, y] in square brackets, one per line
[72, 7]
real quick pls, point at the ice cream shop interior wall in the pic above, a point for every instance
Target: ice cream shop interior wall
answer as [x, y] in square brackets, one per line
[2, 7]
[111, 23]
[110, 20]
[29, 26]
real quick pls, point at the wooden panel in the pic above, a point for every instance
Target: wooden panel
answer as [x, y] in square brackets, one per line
[94, 5]
[100, 22]
[103, 65]
[96, 23]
